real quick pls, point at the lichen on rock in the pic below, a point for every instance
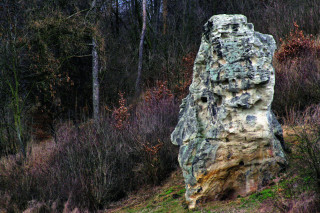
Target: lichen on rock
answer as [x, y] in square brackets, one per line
[230, 141]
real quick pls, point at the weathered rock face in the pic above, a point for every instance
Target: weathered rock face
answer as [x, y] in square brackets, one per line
[230, 141]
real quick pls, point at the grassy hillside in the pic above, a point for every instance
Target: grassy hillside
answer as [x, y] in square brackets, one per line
[290, 192]
[170, 198]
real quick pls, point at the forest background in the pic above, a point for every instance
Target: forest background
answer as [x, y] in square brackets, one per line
[69, 75]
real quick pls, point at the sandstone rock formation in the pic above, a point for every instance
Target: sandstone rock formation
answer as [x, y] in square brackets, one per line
[230, 141]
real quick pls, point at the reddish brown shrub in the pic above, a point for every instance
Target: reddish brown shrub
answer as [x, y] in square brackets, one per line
[296, 45]
[160, 91]
[154, 121]
[121, 114]
[182, 88]
[297, 68]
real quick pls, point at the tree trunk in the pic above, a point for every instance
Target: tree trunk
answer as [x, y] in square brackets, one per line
[95, 81]
[117, 16]
[143, 32]
[155, 15]
[133, 7]
[95, 75]
[165, 15]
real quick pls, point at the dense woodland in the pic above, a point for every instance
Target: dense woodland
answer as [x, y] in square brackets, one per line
[90, 91]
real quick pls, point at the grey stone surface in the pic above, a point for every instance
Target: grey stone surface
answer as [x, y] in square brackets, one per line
[230, 141]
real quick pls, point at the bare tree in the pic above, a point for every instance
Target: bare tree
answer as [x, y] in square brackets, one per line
[95, 73]
[165, 15]
[143, 32]
[117, 16]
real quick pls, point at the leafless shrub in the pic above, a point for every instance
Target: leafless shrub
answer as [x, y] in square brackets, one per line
[90, 167]
[306, 128]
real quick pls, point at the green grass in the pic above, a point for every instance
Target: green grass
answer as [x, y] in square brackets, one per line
[171, 199]
[168, 200]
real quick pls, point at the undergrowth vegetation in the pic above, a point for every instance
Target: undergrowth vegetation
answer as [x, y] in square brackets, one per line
[296, 102]
[89, 167]
[305, 156]
[297, 65]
